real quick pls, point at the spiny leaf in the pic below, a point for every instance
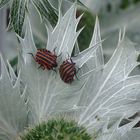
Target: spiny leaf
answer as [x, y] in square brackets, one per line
[106, 94]
[85, 55]
[46, 11]
[96, 59]
[112, 92]
[64, 35]
[48, 97]
[117, 132]
[3, 3]
[134, 134]
[17, 15]
[13, 108]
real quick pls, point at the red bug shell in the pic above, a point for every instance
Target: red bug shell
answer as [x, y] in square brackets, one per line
[67, 71]
[46, 59]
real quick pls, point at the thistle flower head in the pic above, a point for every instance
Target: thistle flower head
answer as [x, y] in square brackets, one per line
[58, 129]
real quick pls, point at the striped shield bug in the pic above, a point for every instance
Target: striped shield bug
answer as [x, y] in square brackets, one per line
[67, 71]
[46, 59]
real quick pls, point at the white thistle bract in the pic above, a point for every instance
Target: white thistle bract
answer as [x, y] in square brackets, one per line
[103, 96]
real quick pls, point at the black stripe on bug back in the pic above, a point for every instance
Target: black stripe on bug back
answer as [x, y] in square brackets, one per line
[67, 71]
[45, 56]
[64, 66]
[43, 59]
[46, 59]
[43, 62]
[48, 53]
[69, 79]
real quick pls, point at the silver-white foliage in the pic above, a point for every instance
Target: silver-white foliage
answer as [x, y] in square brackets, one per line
[64, 36]
[113, 92]
[117, 132]
[38, 81]
[13, 107]
[107, 93]
[134, 134]
[102, 94]
[110, 92]
[47, 92]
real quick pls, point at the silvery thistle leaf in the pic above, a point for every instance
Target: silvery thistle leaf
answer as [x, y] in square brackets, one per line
[133, 134]
[114, 92]
[47, 94]
[13, 108]
[17, 15]
[117, 132]
[3, 3]
[46, 11]
[104, 92]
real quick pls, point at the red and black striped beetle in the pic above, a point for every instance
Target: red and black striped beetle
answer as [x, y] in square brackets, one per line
[67, 71]
[46, 59]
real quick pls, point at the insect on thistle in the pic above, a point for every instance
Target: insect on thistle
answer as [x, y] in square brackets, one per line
[46, 59]
[67, 71]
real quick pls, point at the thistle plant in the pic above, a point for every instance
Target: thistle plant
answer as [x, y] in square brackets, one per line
[19, 9]
[36, 104]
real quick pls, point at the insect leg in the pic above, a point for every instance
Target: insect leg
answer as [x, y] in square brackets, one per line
[32, 56]
[54, 50]
[71, 61]
[41, 66]
[77, 77]
[54, 70]
[77, 69]
[76, 73]
[59, 54]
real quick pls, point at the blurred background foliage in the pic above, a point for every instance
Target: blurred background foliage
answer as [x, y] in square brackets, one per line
[113, 15]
